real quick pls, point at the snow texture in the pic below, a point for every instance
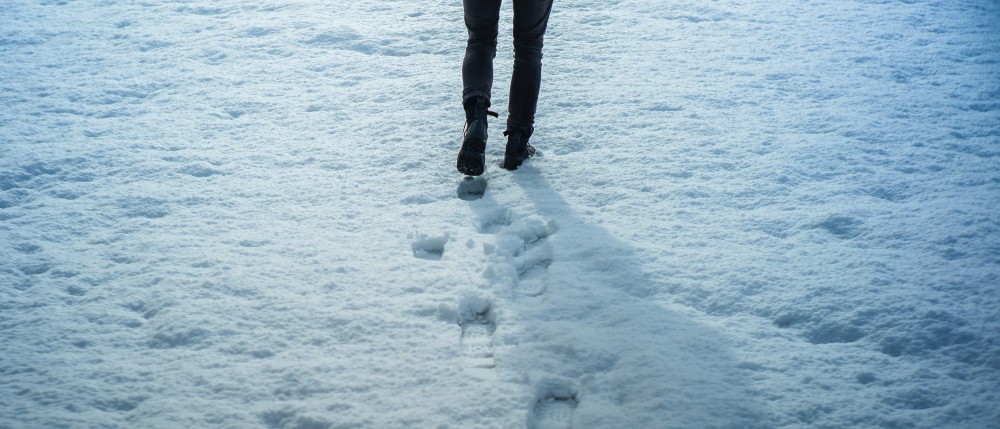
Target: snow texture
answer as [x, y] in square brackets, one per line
[745, 214]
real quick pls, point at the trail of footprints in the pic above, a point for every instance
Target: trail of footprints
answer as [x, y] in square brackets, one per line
[527, 250]
[554, 405]
[522, 249]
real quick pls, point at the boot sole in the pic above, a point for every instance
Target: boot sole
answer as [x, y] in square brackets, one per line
[471, 163]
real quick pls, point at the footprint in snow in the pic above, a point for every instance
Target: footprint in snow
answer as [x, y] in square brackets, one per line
[532, 265]
[477, 336]
[472, 188]
[554, 408]
[431, 248]
[494, 220]
[532, 259]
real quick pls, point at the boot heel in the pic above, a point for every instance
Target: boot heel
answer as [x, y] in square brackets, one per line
[517, 151]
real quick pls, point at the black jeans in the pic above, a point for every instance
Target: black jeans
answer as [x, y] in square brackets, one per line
[530, 19]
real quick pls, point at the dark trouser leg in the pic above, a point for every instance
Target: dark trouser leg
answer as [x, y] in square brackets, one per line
[530, 20]
[481, 18]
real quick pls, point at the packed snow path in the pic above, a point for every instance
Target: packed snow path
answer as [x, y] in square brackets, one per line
[745, 214]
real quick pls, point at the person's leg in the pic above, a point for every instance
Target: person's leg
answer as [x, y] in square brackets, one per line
[531, 17]
[481, 18]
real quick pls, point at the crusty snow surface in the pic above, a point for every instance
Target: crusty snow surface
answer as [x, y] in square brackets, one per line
[745, 214]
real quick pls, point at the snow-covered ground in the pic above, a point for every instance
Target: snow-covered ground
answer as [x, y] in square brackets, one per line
[746, 214]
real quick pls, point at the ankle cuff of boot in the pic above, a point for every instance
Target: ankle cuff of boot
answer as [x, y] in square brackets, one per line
[524, 135]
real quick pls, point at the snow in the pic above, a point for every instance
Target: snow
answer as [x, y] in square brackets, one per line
[744, 214]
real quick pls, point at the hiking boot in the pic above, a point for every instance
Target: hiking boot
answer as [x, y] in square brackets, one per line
[518, 149]
[472, 158]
